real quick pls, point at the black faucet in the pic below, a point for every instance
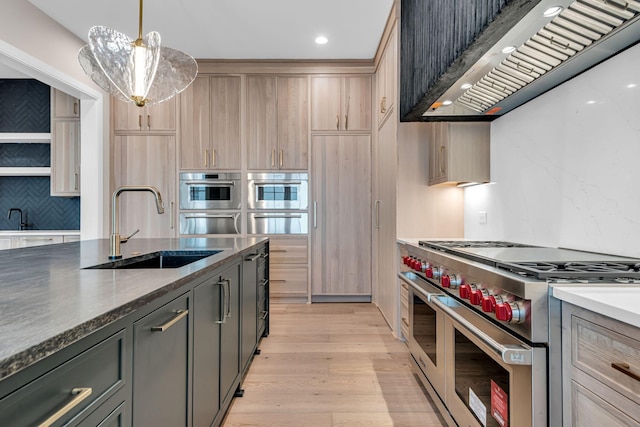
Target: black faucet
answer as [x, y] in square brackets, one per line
[23, 225]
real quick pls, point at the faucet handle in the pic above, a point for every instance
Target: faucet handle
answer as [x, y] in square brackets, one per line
[126, 239]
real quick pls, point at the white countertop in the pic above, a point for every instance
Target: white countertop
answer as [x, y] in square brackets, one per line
[38, 232]
[618, 302]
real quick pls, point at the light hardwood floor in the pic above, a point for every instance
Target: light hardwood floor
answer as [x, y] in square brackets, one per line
[331, 365]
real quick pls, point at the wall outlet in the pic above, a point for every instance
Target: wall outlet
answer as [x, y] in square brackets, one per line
[482, 217]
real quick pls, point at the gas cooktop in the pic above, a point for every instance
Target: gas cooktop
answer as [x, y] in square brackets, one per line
[544, 263]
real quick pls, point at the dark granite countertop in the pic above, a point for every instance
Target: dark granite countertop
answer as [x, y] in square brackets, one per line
[48, 300]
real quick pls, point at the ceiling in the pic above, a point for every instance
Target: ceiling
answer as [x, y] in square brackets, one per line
[238, 29]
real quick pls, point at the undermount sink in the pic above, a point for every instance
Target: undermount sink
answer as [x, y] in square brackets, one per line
[154, 260]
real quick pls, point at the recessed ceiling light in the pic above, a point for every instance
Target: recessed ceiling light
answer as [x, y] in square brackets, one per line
[321, 40]
[631, 85]
[466, 86]
[552, 11]
[591, 102]
[508, 49]
[447, 102]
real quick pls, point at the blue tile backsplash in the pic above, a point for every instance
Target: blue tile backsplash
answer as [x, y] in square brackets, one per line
[25, 108]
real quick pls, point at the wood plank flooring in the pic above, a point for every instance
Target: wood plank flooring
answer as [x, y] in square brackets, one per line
[330, 365]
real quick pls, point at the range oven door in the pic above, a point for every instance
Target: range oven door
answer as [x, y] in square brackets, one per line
[493, 378]
[426, 331]
[277, 191]
[209, 223]
[210, 191]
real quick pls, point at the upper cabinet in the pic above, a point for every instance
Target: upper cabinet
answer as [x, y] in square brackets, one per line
[277, 122]
[65, 144]
[386, 81]
[210, 123]
[128, 117]
[341, 103]
[459, 152]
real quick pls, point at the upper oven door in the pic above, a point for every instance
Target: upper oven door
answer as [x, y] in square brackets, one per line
[493, 378]
[278, 191]
[210, 191]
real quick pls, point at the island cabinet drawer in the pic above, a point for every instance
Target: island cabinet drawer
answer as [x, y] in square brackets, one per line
[607, 350]
[70, 392]
[288, 250]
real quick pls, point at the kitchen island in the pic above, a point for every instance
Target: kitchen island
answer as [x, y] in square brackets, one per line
[57, 314]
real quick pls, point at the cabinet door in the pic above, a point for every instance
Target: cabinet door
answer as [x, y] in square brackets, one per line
[356, 110]
[64, 106]
[33, 240]
[65, 157]
[145, 160]
[262, 123]
[225, 122]
[208, 313]
[249, 307]
[195, 119]
[129, 117]
[341, 171]
[160, 366]
[326, 98]
[230, 335]
[438, 141]
[293, 125]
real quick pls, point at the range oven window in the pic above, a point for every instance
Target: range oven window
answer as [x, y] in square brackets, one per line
[278, 192]
[475, 372]
[203, 193]
[424, 328]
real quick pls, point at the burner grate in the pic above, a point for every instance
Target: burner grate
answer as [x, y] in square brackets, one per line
[454, 244]
[575, 270]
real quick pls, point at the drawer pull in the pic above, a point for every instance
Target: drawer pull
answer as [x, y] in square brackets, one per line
[265, 255]
[252, 258]
[264, 282]
[79, 394]
[278, 250]
[179, 315]
[625, 369]
[264, 315]
[406, 322]
[278, 281]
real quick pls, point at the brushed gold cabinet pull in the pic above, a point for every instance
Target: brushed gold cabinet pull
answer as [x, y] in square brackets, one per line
[148, 121]
[383, 104]
[140, 121]
[75, 108]
[77, 180]
[213, 161]
[273, 158]
[442, 159]
[171, 216]
[206, 158]
[278, 281]
[179, 315]
[337, 122]
[625, 369]
[278, 250]
[79, 394]
[405, 321]
[281, 158]
[346, 122]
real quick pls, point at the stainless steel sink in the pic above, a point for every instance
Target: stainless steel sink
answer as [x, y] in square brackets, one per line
[154, 260]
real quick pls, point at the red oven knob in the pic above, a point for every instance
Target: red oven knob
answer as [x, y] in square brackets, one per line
[405, 260]
[429, 272]
[504, 312]
[445, 281]
[465, 291]
[417, 265]
[475, 297]
[488, 304]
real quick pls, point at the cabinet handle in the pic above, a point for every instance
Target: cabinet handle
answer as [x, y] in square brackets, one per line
[377, 213]
[273, 158]
[213, 161]
[171, 216]
[79, 394]
[405, 321]
[278, 281]
[252, 258]
[179, 315]
[223, 300]
[75, 108]
[278, 250]
[337, 122]
[148, 121]
[206, 158]
[265, 255]
[140, 121]
[281, 157]
[265, 314]
[346, 122]
[625, 369]
[76, 181]
[315, 214]
[228, 283]
[442, 159]
[383, 105]
[264, 282]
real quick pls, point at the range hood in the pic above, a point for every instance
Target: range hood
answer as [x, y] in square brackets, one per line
[545, 52]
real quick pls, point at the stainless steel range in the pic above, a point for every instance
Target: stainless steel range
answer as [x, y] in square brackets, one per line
[482, 331]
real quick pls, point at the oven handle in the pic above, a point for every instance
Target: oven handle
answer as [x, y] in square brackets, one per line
[210, 183]
[276, 182]
[417, 288]
[510, 354]
[277, 216]
[229, 216]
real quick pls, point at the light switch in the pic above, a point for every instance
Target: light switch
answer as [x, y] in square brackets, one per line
[482, 217]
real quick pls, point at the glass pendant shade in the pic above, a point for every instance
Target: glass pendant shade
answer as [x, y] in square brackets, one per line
[139, 71]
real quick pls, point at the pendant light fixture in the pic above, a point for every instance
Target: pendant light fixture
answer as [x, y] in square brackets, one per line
[139, 71]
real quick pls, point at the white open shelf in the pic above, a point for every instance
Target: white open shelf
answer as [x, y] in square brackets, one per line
[25, 171]
[25, 138]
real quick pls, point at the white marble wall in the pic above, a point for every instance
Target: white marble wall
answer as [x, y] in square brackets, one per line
[566, 166]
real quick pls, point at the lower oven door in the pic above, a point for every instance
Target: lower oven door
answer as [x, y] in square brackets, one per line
[277, 223]
[426, 331]
[493, 378]
[210, 223]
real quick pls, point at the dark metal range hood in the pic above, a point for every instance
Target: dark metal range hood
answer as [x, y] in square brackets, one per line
[548, 51]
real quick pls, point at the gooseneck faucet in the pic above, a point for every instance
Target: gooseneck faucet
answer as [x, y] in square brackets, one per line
[23, 225]
[115, 240]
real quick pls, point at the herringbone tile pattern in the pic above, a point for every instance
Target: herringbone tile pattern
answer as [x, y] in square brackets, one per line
[25, 155]
[25, 106]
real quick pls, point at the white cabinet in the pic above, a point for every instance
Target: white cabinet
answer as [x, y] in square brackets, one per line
[27, 239]
[459, 152]
[65, 144]
[601, 370]
[33, 240]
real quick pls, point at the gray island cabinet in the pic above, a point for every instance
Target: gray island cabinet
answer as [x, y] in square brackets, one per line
[129, 347]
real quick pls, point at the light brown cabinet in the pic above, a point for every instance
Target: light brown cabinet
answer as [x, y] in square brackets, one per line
[127, 117]
[277, 122]
[210, 123]
[65, 144]
[289, 268]
[146, 160]
[459, 152]
[341, 103]
[386, 80]
[596, 393]
[341, 225]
